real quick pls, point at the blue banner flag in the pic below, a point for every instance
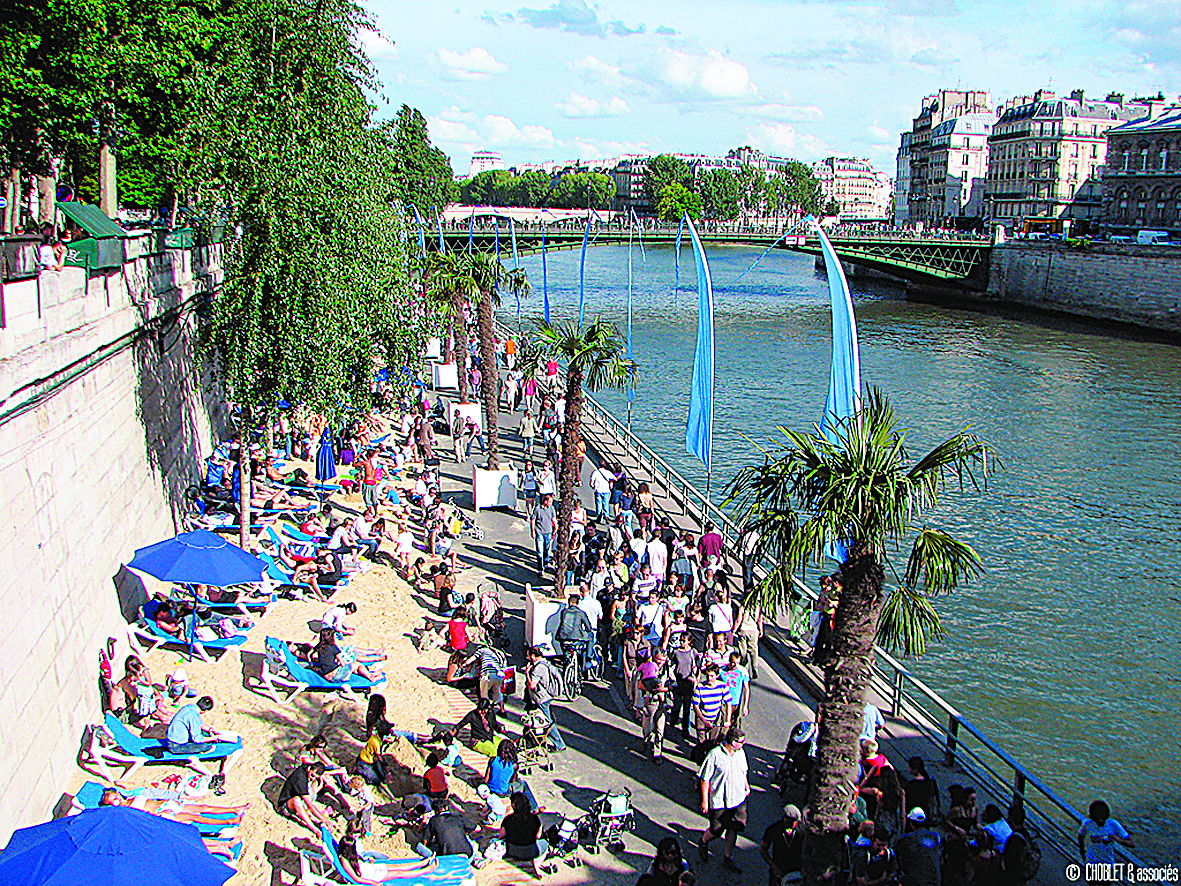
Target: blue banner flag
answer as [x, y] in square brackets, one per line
[544, 286]
[639, 233]
[471, 231]
[700, 428]
[439, 222]
[630, 389]
[844, 380]
[775, 243]
[582, 274]
[512, 232]
[496, 236]
[421, 230]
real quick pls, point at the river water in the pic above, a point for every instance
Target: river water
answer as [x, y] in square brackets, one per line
[1066, 650]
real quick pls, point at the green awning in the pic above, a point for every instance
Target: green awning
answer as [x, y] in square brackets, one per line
[91, 219]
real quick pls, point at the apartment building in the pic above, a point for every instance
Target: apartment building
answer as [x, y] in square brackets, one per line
[1142, 179]
[949, 158]
[862, 192]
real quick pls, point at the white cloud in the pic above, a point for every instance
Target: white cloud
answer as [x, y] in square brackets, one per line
[590, 149]
[595, 70]
[503, 132]
[378, 47]
[879, 132]
[475, 64]
[780, 111]
[709, 76]
[783, 140]
[580, 106]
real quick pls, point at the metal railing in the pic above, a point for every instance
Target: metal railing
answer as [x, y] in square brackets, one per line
[995, 772]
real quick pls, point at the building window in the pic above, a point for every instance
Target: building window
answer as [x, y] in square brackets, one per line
[965, 159]
[1164, 159]
[1094, 152]
[1144, 159]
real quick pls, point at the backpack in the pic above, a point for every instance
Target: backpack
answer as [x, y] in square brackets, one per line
[550, 680]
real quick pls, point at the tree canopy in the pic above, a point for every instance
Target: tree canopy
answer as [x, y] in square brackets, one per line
[422, 173]
[675, 201]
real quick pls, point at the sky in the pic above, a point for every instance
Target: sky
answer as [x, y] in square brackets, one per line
[572, 79]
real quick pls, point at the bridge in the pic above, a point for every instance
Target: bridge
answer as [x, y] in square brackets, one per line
[953, 260]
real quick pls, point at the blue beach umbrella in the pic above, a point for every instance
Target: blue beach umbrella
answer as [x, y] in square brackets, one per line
[199, 557]
[107, 846]
[325, 458]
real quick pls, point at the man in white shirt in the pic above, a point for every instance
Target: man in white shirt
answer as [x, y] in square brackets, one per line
[650, 615]
[724, 789]
[363, 530]
[638, 545]
[591, 606]
[600, 484]
[871, 722]
[657, 557]
[598, 579]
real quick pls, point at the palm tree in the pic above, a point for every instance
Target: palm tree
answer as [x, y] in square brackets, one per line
[448, 277]
[488, 275]
[857, 488]
[595, 360]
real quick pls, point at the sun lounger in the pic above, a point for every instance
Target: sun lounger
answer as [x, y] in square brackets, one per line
[150, 636]
[281, 670]
[135, 752]
[249, 606]
[325, 869]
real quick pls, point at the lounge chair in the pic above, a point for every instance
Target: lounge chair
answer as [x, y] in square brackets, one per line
[135, 752]
[150, 636]
[223, 825]
[251, 606]
[281, 670]
[325, 869]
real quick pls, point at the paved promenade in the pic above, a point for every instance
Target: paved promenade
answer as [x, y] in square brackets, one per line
[606, 749]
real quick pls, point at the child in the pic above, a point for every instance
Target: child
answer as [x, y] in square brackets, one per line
[451, 749]
[496, 806]
[434, 780]
[363, 794]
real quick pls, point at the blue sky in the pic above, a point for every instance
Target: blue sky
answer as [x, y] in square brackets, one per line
[572, 79]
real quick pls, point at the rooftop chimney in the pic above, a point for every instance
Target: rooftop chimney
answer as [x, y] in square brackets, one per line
[1077, 95]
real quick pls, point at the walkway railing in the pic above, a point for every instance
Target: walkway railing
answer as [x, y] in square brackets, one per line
[995, 772]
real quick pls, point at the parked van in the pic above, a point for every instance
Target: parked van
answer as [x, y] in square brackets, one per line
[1152, 238]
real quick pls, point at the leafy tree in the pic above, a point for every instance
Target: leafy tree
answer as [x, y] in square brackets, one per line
[422, 172]
[594, 358]
[752, 189]
[831, 206]
[802, 192]
[675, 201]
[719, 194]
[583, 190]
[532, 188]
[282, 136]
[492, 187]
[858, 488]
[664, 170]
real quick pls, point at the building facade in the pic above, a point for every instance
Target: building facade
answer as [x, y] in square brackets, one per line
[862, 192]
[628, 174]
[1142, 180]
[483, 161]
[949, 158]
[902, 182]
[1047, 157]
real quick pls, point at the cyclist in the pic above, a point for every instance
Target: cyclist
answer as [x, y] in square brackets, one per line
[575, 632]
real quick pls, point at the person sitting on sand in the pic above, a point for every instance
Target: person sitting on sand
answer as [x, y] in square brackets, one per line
[295, 797]
[376, 722]
[486, 734]
[335, 775]
[434, 780]
[463, 670]
[337, 664]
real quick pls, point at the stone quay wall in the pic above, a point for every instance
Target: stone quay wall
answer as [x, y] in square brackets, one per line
[104, 415]
[1135, 285]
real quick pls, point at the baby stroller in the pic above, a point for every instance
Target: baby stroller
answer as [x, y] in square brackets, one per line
[610, 817]
[534, 749]
[799, 756]
[459, 523]
[563, 841]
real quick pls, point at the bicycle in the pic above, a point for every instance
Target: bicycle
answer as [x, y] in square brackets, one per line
[576, 671]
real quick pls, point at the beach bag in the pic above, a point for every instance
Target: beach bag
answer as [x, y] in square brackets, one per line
[508, 685]
[455, 527]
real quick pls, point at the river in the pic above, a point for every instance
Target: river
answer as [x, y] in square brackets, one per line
[1066, 650]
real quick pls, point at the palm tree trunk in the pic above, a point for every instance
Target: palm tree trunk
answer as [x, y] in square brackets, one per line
[568, 474]
[489, 379]
[846, 675]
[461, 345]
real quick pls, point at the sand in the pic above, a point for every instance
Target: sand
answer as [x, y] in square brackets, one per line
[388, 611]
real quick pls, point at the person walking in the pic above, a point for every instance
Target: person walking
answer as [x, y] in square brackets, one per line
[528, 431]
[457, 436]
[684, 659]
[711, 705]
[542, 527]
[747, 631]
[600, 484]
[655, 703]
[782, 846]
[542, 684]
[724, 789]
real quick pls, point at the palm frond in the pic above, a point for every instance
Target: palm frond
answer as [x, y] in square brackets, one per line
[908, 622]
[940, 563]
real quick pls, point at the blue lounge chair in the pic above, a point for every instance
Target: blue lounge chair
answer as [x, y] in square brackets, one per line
[281, 670]
[253, 606]
[150, 636]
[325, 869]
[135, 752]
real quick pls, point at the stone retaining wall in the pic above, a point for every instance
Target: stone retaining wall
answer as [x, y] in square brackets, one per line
[1137, 285]
[103, 418]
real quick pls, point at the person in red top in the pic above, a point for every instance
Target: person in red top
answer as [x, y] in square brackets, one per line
[710, 545]
[457, 629]
[434, 780]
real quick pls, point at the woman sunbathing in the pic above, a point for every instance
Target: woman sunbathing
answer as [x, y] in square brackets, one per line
[140, 693]
[177, 810]
[167, 620]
